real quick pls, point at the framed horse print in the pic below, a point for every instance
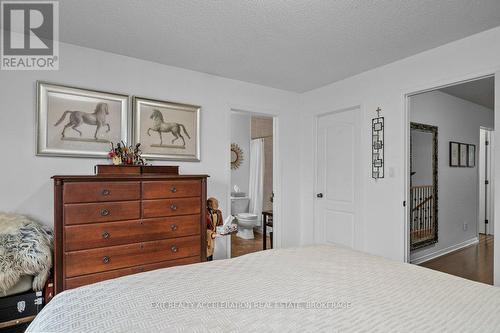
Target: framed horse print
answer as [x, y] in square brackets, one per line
[166, 130]
[79, 122]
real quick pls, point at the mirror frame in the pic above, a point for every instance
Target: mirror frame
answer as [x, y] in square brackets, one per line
[434, 130]
[235, 148]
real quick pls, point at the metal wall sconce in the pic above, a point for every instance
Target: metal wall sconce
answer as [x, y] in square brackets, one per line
[378, 146]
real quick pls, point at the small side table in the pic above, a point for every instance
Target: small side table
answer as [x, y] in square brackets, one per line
[267, 221]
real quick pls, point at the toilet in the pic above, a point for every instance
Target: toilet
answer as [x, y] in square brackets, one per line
[246, 221]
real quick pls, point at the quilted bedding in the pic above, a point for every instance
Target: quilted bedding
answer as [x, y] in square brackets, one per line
[318, 288]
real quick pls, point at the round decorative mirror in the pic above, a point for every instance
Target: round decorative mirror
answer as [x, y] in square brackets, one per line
[236, 156]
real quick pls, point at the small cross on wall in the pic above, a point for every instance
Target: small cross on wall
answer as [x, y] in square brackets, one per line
[378, 112]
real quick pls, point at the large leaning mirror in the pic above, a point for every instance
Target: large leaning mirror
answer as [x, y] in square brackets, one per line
[423, 185]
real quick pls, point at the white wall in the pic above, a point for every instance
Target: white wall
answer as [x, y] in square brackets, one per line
[24, 178]
[25, 185]
[240, 134]
[458, 188]
[383, 228]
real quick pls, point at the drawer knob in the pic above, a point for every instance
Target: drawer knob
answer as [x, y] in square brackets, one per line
[106, 192]
[173, 227]
[174, 249]
[105, 235]
[104, 212]
[105, 259]
[173, 207]
[173, 189]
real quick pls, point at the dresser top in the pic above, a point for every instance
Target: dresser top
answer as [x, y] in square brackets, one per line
[76, 178]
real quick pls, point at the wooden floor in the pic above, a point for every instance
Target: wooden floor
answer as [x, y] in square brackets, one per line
[474, 262]
[241, 246]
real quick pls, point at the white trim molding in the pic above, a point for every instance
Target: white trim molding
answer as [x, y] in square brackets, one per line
[444, 251]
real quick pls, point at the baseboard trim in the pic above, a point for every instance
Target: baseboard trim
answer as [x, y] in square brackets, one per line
[444, 251]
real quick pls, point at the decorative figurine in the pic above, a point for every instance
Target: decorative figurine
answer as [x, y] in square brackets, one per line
[214, 219]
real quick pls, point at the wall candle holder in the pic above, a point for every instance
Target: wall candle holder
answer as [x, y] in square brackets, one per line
[378, 146]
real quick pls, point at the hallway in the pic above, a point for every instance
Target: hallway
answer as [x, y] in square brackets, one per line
[474, 262]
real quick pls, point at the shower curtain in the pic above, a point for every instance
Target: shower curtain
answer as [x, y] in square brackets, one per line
[256, 185]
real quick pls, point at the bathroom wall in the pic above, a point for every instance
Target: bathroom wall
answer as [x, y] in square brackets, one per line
[240, 134]
[262, 127]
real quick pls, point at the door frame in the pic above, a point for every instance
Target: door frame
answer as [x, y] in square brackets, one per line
[406, 143]
[491, 158]
[277, 167]
[358, 237]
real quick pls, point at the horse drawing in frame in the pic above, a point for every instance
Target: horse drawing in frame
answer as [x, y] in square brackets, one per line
[160, 126]
[77, 118]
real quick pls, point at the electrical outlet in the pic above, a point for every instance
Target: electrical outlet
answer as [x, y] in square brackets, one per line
[466, 226]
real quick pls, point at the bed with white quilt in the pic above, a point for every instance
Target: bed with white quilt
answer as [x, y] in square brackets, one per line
[318, 288]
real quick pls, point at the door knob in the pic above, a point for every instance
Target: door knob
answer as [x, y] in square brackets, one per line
[319, 195]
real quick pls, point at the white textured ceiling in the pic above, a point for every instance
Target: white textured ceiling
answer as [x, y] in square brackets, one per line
[481, 91]
[294, 45]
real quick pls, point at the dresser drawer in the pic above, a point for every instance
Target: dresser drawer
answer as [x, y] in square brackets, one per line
[88, 236]
[101, 191]
[171, 207]
[171, 189]
[101, 212]
[122, 256]
[97, 277]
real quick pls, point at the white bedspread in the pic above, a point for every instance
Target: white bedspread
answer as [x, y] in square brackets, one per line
[357, 293]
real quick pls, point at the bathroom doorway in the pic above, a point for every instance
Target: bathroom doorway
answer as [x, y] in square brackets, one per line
[252, 194]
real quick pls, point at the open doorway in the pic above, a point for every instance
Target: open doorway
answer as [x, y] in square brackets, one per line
[252, 191]
[450, 177]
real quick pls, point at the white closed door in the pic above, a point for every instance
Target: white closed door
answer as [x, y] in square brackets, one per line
[337, 183]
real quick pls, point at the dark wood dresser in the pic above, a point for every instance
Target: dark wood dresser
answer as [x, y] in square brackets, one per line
[111, 225]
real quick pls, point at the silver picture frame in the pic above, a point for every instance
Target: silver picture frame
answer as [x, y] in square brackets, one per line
[79, 137]
[166, 130]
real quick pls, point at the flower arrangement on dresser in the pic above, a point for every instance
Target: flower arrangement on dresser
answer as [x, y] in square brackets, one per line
[121, 154]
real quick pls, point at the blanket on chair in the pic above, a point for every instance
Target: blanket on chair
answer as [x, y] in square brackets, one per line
[25, 249]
